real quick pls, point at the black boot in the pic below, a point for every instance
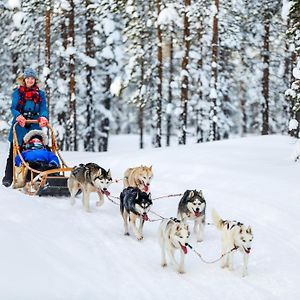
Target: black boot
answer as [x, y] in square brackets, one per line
[6, 182]
[8, 177]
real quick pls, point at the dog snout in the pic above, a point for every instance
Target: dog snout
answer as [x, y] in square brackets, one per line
[105, 189]
[197, 209]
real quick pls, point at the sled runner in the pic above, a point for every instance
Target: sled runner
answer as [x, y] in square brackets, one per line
[37, 178]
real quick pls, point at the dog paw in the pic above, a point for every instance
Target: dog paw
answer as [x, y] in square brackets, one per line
[139, 237]
[163, 265]
[199, 240]
[126, 233]
[99, 203]
[181, 271]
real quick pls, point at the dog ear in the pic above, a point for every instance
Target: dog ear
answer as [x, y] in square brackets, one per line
[249, 230]
[200, 193]
[191, 194]
[150, 168]
[109, 173]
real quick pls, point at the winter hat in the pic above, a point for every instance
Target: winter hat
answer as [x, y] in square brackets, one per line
[29, 72]
[36, 134]
[34, 143]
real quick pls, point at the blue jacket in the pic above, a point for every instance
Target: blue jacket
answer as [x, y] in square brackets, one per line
[38, 155]
[40, 110]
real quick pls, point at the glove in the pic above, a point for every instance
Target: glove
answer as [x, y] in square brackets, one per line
[42, 121]
[21, 120]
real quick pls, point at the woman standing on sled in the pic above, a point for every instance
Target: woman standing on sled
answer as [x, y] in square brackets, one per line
[28, 103]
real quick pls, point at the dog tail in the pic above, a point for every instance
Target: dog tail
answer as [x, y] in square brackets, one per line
[126, 178]
[216, 218]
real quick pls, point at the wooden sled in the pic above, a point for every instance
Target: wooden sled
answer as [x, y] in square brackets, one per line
[51, 182]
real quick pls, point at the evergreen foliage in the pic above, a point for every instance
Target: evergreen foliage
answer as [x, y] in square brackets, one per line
[192, 70]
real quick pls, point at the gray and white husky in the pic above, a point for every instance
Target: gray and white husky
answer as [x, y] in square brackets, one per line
[235, 235]
[173, 235]
[134, 205]
[192, 207]
[89, 178]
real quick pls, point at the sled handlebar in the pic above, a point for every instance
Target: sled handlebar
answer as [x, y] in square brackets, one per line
[32, 121]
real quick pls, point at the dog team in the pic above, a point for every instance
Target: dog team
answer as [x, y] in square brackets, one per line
[174, 233]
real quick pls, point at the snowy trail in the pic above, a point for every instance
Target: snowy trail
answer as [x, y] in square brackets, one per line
[50, 250]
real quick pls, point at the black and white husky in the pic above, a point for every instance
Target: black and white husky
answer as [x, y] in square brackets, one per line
[235, 235]
[134, 204]
[89, 178]
[173, 235]
[192, 207]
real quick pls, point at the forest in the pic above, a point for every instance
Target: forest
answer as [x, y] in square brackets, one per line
[177, 71]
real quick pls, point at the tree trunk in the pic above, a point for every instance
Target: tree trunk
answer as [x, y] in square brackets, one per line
[184, 70]
[265, 79]
[104, 126]
[48, 54]
[159, 85]
[142, 104]
[199, 110]
[141, 125]
[72, 96]
[170, 95]
[62, 116]
[243, 108]
[214, 135]
[89, 139]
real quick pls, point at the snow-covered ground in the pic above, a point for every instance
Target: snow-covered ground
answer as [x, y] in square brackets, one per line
[50, 250]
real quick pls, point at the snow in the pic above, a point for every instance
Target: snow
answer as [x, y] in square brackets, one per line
[213, 93]
[91, 62]
[70, 50]
[296, 73]
[18, 18]
[116, 86]
[51, 250]
[108, 26]
[285, 9]
[11, 4]
[293, 124]
[107, 53]
[168, 16]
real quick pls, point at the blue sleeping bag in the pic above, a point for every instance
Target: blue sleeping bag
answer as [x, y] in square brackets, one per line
[38, 155]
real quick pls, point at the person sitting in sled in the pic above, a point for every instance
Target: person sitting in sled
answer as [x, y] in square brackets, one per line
[28, 103]
[36, 153]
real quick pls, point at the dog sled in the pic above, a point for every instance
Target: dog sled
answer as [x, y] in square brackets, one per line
[38, 181]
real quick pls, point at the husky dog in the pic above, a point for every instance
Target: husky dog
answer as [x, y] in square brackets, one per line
[135, 204]
[235, 235]
[192, 207]
[173, 235]
[89, 178]
[139, 177]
